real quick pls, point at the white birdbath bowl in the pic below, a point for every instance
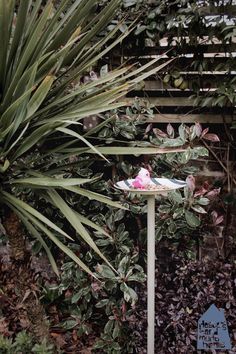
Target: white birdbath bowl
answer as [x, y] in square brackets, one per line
[158, 186]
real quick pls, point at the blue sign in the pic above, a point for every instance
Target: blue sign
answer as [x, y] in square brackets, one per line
[213, 331]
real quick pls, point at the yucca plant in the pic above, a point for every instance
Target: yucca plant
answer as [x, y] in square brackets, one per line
[45, 50]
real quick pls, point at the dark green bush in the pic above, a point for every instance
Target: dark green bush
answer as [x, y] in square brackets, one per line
[184, 292]
[103, 307]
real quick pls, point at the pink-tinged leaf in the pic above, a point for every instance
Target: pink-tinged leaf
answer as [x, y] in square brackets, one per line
[216, 219]
[93, 76]
[198, 129]
[205, 131]
[203, 190]
[148, 129]
[149, 168]
[170, 130]
[212, 194]
[211, 137]
[214, 215]
[219, 220]
[86, 79]
[200, 192]
[159, 133]
[190, 180]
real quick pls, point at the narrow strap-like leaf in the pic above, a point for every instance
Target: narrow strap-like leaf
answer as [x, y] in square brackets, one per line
[22, 206]
[16, 140]
[6, 18]
[79, 14]
[34, 232]
[27, 82]
[51, 182]
[31, 140]
[88, 111]
[105, 17]
[133, 150]
[72, 217]
[27, 52]
[58, 243]
[109, 78]
[18, 37]
[39, 95]
[95, 196]
[9, 114]
[80, 137]
[84, 220]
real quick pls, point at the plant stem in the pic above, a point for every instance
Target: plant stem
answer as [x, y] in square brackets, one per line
[220, 162]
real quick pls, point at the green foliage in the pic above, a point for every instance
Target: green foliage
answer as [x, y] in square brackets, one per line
[223, 96]
[6, 345]
[186, 136]
[49, 167]
[179, 214]
[44, 95]
[108, 304]
[43, 348]
[23, 344]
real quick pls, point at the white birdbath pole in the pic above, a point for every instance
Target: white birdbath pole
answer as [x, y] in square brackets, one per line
[151, 273]
[150, 194]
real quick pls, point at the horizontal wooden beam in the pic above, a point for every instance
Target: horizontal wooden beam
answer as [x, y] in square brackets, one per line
[218, 57]
[203, 40]
[158, 86]
[186, 49]
[209, 173]
[183, 63]
[189, 118]
[162, 101]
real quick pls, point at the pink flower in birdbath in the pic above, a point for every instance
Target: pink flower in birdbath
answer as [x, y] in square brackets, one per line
[142, 180]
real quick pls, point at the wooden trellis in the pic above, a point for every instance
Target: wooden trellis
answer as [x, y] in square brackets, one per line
[172, 104]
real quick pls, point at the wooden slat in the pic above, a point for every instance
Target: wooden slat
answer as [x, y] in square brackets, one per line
[187, 49]
[189, 118]
[208, 173]
[183, 63]
[163, 101]
[142, 57]
[203, 40]
[159, 86]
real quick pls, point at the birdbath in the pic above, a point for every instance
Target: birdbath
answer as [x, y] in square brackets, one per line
[157, 186]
